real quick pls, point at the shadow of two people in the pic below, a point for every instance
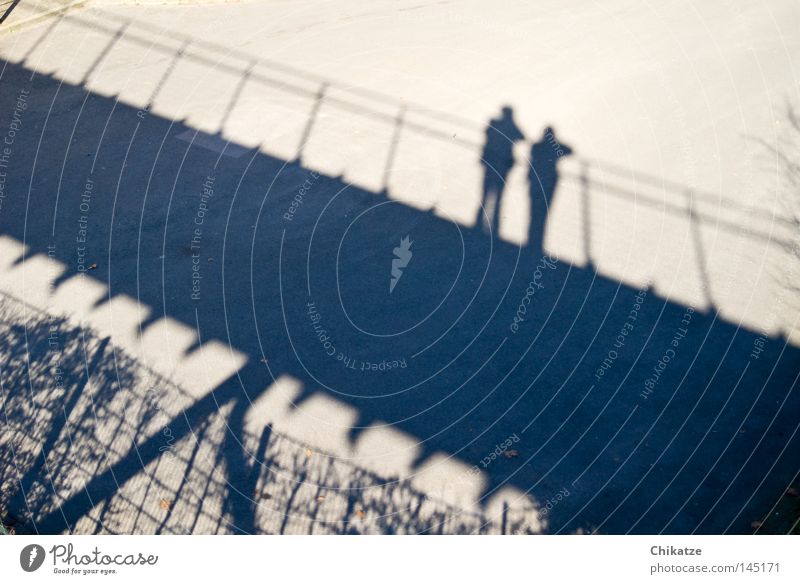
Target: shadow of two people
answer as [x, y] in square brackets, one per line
[497, 158]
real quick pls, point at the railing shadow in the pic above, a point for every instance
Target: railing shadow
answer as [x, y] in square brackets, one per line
[7, 7]
[61, 429]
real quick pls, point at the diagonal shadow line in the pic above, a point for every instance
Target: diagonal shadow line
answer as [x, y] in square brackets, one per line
[50, 441]
[8, 11]
[105, 484]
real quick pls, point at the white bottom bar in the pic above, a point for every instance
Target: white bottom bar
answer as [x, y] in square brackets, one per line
[389, 559]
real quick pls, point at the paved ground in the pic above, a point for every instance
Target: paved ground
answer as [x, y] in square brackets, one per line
[291, 267]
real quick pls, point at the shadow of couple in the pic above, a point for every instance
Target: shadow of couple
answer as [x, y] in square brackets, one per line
[497, 159]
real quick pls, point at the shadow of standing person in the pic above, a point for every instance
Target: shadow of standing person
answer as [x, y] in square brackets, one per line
[543, 178]
[497, 159]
